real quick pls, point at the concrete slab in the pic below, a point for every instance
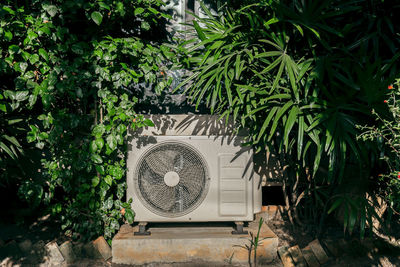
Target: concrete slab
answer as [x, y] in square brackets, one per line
[212, 245]
[102, 247]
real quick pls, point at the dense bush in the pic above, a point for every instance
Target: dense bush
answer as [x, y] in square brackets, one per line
[301, 75]
[65, 68]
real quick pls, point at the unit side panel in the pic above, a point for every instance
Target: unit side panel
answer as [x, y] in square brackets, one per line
[232, 184]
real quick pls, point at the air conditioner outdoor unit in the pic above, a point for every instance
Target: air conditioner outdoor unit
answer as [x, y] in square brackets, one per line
[191, 168]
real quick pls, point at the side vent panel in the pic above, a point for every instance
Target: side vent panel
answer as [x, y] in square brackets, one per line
[232, 185]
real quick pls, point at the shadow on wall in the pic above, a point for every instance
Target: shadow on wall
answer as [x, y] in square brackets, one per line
[265, 164]
[268, 167]
[192, 125]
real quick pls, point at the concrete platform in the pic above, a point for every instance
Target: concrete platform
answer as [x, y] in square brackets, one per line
[197, 245]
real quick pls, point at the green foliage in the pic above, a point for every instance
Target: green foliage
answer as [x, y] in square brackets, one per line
[387, 136]
[65, 68]
[10, 130]
[301, 76]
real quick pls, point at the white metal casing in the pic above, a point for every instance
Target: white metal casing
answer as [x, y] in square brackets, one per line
[234, 191]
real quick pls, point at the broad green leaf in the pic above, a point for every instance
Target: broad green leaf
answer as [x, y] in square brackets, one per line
[300, 135]
[21, 95]
[97, 17]
[9, 10]
[99, 130]
[43, 54]
[154, 11]
[99, 143]
[108, 179]
[52, 10]
[271, 21]
[34, 58]
[93, 147]
[278, 76]
[95, 181]
[100, 169]
[271, 114]
[111, 142]
[12, 140]
[108, 203]
[278, 116]
[8, 35]
[145, 25]
[336, 204]
[199, 31]
[299, 29]
[292, 118]
[114, 224]
[138, 11]
[317, 160]
[5, 148]
[292, 76]
[129, 215]
[352, 218]
[43, 136]
[23, 66]
[13, 49]
[269, 54]
[96, 159]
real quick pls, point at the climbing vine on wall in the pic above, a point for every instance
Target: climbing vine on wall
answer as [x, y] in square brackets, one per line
[66, 68]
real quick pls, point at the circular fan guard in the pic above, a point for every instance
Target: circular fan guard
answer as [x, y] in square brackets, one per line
[190, 174]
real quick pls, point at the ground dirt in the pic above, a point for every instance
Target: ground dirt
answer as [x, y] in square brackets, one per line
[351, 251]
[22, 245]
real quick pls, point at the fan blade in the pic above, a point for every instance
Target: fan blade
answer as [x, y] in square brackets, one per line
[160, 196]
[161, 161]
[192, 180]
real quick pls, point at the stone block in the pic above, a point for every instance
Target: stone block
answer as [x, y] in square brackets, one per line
[310, 257]
[285, 256]
[67, 251]
[333, 247]
[102, 247]
[79, 250]
[297, 256]
[53, 253]
[125, 228]
[268, 213]
[179, 245]
[318, 251]
[91, 252]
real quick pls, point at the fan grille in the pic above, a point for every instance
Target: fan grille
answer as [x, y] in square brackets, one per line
[183, 162]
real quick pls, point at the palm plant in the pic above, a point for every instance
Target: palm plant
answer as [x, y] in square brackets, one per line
[294, 72]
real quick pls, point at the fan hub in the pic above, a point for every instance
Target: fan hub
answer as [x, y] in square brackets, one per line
[171, 179]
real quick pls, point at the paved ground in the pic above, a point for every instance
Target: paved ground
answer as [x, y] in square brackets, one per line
[22, 245]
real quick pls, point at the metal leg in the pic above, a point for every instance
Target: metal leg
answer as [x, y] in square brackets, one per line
[142, 229]
[239, 229]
